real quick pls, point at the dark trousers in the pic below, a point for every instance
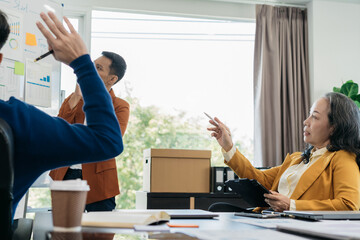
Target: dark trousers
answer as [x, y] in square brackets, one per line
[103, 205]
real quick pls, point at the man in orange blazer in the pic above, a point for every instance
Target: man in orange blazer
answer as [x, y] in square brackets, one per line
[101, 176]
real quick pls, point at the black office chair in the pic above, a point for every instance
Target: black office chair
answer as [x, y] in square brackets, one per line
[20, 228]
[6, 179]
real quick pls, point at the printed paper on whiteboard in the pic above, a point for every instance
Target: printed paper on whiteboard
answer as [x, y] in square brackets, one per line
[13, 47]
[11, 84]
[38, 83]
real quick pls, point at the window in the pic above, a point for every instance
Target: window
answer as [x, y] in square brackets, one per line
[68, 78]
[178, 68]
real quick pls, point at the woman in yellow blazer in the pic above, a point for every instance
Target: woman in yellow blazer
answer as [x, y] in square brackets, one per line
[325, 176]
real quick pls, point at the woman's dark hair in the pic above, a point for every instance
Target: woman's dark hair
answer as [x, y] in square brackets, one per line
[344, 117]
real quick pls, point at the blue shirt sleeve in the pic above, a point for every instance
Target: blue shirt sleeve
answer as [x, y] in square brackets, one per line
[42, 142]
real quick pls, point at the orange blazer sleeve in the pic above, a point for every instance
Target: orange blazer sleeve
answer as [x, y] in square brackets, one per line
[244, 169]
[122, 111]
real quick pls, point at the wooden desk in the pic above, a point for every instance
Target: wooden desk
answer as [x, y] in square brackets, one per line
[218, 228]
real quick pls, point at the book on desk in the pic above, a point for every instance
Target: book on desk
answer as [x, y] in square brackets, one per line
[127, 218]
[117, 219]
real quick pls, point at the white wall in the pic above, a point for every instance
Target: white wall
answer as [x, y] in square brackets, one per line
[334, 45]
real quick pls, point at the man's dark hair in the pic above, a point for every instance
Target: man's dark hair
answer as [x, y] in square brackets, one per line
[4, 29]
[118, 64]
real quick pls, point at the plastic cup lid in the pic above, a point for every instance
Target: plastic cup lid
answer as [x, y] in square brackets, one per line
[70, 185]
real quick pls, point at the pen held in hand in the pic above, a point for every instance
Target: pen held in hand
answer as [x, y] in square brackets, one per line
[211, 118]
[44, 55]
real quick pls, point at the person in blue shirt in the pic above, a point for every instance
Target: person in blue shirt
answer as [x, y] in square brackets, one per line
[42, 142]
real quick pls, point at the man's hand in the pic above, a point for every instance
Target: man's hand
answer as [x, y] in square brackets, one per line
[277, 201]
[78, 91]
[67, 46]
[75, 97]
[222, 134]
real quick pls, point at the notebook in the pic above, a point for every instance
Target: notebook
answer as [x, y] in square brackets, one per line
[176, 213]
[190, 214]
[324, 215]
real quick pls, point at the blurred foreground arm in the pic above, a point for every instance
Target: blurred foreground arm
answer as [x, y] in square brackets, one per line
[101, 138]
[43, 142]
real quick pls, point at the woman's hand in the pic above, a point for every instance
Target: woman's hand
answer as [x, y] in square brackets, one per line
[222, 134]
[277, 201]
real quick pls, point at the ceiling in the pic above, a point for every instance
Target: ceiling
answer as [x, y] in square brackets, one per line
[270, 2]
[282, 2]
[302, 2]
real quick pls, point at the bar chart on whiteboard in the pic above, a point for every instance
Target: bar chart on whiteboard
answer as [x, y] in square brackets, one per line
[38, 83]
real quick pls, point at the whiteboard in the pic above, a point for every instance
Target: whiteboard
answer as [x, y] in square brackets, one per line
[23, 15]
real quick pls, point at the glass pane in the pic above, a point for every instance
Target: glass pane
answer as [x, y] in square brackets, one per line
[178, 68]
[68, 78]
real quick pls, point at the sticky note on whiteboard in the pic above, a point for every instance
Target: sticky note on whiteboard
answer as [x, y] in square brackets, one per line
[30, 39]
[19, 68]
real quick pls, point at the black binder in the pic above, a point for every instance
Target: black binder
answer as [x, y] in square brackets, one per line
[250, 190]
[217, 179]
[229, 175]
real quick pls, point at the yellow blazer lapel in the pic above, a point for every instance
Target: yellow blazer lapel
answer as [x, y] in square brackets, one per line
[288, 162]
[310, 175]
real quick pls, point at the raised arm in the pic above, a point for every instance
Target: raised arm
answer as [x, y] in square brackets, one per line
[43, 142]
[101, 139]
[47, 142]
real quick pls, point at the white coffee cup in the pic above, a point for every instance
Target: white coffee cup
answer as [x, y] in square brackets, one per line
[68, 200]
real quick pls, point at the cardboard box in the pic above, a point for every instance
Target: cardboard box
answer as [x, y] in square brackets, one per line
[176, 170]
